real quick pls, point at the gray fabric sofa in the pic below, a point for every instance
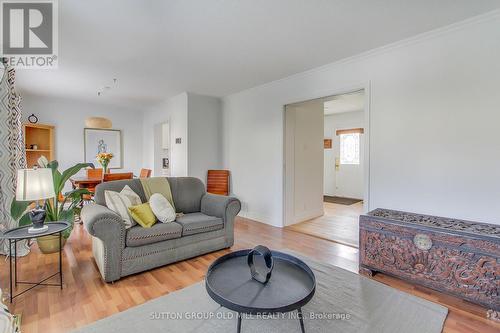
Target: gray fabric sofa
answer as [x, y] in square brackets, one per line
[206, 226]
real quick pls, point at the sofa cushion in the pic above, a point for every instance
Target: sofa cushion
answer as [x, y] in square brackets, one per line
[196, 223]
[187, 193]
[138, 236]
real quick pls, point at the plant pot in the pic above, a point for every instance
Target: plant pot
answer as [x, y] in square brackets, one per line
[49, 244]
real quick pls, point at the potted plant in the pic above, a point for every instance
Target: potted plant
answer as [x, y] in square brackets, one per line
[61, 208]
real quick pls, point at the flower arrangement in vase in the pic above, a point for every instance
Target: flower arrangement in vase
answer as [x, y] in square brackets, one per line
[104, 159]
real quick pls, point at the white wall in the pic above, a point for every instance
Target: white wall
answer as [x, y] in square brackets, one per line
[141, 131]
[160, 151]
[204, 135]
[348, 180]
[197, 121]
[68, 116]
[434, 116]
[174, 111]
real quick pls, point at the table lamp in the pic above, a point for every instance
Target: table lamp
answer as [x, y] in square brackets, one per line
[35, 185]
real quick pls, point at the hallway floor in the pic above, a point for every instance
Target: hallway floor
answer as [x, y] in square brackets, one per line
[339, 224]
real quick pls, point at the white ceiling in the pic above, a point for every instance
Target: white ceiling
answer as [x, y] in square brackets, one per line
[345, 103]
[159, 48]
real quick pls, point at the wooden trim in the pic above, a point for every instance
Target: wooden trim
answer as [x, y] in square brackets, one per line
[37, 125]
[350, 131]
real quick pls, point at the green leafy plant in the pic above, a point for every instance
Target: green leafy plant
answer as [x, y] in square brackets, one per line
[56, 211]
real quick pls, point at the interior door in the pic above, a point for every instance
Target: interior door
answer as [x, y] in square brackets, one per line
[304, 126]
[348, 152]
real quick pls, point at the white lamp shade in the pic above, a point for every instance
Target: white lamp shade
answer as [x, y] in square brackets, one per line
[34, 184]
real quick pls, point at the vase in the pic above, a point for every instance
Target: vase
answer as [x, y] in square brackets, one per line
[104, 167]
[50, 244]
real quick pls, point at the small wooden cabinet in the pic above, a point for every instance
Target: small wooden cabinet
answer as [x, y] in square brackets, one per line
[39, 141]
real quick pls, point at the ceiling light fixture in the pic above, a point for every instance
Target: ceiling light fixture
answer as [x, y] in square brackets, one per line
[98, 122]
[107, 88]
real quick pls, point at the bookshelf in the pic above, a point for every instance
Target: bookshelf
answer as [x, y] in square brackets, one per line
[43, 137]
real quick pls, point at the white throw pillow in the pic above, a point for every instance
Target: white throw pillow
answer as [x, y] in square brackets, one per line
[119, 202]
[162, 209]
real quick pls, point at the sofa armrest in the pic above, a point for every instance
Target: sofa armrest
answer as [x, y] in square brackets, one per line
[224, 207]
[109, 229]
[220, 206]
[102, 222]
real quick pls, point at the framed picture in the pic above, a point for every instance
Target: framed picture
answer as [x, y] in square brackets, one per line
[102, 141]
[166, 163]
[327, 143]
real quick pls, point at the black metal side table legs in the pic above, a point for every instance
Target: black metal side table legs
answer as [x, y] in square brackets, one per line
[301, 321]
[60, 260]
[10, 267]
[13, 272]
[10, 270]
[239, 323]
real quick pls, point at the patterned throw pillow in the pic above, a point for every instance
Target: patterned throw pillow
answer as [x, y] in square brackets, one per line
[162, 209]
[119, 202]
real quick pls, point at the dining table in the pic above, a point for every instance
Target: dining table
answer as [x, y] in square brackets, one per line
[85, 182]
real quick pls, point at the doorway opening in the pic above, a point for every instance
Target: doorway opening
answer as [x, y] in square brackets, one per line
[326, 166]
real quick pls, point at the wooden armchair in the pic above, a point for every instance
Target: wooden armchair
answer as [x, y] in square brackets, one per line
[145, 173]
[92, 173]
[218, 182]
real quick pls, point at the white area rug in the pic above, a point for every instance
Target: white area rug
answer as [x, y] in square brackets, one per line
[344, 302]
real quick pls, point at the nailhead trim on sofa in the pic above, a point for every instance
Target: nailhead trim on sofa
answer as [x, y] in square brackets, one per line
[154, 235]
[209, 227]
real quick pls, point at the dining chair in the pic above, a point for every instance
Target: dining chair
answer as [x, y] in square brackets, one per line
[145, 173]
[94, 173]
[218, 182]
[108, 177]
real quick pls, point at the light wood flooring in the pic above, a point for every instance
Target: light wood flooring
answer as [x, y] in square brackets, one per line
[86, 298]
[339, 224]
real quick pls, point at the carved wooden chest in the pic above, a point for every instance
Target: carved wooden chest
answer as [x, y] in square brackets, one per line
[458, 257]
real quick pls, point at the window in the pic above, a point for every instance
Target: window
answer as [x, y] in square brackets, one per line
[349, 148]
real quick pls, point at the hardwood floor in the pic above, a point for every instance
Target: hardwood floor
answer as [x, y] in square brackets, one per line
[86, 298]
[339, 224]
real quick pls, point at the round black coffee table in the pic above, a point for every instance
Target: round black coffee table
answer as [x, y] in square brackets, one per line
[276, 283]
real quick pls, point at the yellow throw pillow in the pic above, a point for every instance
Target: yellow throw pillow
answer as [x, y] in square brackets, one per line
[143, 215]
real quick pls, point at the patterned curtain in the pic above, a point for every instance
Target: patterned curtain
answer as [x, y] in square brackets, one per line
[12, 155]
